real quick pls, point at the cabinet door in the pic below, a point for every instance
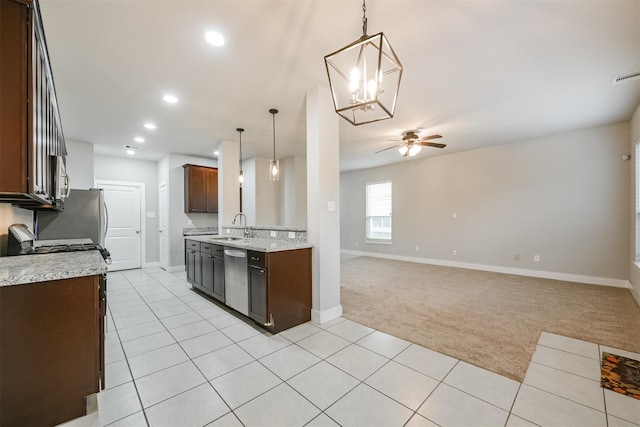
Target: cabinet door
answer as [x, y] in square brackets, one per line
[191, 266]
[211, 191]
[194, 189]
[258, 300]
[218, 278]
[197, 270]
[207, 272]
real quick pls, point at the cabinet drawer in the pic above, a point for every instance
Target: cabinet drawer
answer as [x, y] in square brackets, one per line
[256, 258]
[191, 244]
[206, 247]
[217, 251]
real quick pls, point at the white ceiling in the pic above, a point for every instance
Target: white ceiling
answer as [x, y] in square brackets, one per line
[478, 72]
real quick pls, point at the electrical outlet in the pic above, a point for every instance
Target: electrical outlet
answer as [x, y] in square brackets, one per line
[516, 257]
[536, 258]
[189, 222]
[356, 243]
[274, 234]
[454, 252]
[292, 234]
[454, 215]
[228, 231]
[417, 248]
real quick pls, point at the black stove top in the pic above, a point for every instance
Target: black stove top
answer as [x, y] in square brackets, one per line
[71, 247]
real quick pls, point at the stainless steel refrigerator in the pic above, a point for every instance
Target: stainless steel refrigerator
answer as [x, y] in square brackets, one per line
[84, 216]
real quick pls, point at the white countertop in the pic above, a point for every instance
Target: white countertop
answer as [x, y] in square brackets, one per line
[261, 245]
[17, 270]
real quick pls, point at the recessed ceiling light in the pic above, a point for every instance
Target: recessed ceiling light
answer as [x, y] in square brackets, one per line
[149, 125]
[138, 139]
[170, 99]
[214, 38]
[131, 149]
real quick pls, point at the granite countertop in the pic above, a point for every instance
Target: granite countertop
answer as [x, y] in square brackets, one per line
[267, 227]
[17, 270]
[261, 245]
[198, 231]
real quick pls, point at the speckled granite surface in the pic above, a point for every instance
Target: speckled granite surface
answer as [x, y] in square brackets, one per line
[196, 231]
[267, 232]
[262, 245]
[17, 270]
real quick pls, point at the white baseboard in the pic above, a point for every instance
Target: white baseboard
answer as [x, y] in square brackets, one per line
[326, 315]
[635, 294]
[175, 268]
[151, 264]
[591, 280]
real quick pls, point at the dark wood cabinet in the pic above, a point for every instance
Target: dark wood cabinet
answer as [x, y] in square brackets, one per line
[280, 288]
[200, 189]
[32, 147]
[204, 263]
[51, 349]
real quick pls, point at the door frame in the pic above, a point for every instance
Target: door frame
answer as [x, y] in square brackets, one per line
[168, 237]
[143, 210]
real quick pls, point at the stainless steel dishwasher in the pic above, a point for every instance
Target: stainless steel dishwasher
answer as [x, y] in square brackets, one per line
[236, 280]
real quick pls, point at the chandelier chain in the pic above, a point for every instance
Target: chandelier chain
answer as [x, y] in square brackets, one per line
[364, 18]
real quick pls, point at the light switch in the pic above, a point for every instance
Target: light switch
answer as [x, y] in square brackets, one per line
[292, 234]
[332, 206]
[274, 234]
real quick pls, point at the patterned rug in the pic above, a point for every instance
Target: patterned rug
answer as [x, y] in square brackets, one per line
[620, 374]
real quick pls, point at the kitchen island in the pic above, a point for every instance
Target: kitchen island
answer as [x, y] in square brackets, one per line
[267, 280]
[51, 336]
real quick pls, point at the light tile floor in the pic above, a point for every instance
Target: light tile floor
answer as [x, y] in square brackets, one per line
[175, 358]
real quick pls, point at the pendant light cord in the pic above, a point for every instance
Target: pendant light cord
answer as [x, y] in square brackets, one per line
[273, 112]
[240, 130]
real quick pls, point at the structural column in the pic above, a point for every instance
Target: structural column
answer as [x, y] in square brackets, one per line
[323, 210]
[228, 184]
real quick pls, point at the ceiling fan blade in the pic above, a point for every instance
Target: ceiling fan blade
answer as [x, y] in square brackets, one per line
[426, 138]
[389, 148]
[432, 144]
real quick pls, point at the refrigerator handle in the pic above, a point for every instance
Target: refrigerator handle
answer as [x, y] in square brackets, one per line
[68, 179]
[106, 223]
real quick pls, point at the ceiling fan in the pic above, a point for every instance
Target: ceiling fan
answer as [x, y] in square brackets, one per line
[412, 143]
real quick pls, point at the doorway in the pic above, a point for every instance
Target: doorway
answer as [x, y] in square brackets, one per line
[125, 223]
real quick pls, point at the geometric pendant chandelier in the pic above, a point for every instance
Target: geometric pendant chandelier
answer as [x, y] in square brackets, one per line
[364, 78]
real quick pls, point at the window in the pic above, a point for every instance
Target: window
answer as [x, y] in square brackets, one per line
[379, 212]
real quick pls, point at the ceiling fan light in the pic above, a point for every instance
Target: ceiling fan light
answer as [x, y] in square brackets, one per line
[415, 149]
[403, 150]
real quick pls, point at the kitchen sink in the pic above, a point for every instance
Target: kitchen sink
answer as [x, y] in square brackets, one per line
[226, 239]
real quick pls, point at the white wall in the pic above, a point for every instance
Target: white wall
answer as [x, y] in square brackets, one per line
[133, 170]
[261, 197]
[634, 269]
[563, 197]
[80, 164]
[171, 172]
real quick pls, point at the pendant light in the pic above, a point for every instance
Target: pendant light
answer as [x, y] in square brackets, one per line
[274, 165]
[360, 95]
[241, 176]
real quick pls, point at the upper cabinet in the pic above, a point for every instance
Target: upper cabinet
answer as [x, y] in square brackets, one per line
[200, 189]
[32, 148]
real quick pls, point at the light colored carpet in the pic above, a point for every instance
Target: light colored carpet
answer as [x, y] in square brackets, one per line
[491, 320]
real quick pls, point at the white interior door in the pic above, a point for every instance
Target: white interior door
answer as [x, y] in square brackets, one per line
[164, 226]
[123, 232]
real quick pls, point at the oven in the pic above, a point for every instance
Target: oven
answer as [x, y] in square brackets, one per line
[22, 242]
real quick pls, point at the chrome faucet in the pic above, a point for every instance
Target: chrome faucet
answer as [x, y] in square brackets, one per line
[246, 229]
